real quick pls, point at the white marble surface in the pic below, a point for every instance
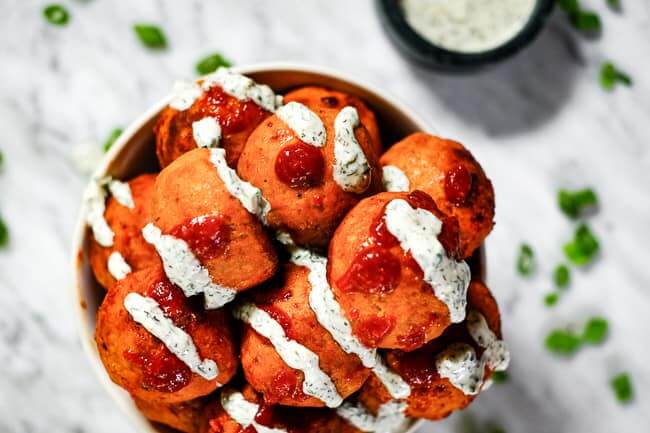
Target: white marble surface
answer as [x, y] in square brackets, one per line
[536, 122]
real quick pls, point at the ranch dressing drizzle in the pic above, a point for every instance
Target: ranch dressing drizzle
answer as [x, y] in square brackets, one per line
[185, 270]
[303, 122]
[249, 196]
[417, 231]
[468, 26]
[94, 205]
[184, 94]
[147, 313]
[390, 417]
[243, 88]
[117, 266]
[329, 314]
[122, 193]
[459, 363]
[206, 132]
[351, 168]
[316, 383]
[243, 412]
[394, 179]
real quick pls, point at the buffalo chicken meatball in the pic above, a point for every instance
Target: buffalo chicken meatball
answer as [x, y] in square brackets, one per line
[159, 345]
[393, 270]
[437, 390]
[226, 109]
[312, 164]
[182, 416]
[193, 202]
[286, 301]
[126, 220]
[313, 96]
[448, 172]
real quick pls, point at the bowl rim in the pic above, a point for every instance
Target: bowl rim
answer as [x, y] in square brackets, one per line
[86, 334]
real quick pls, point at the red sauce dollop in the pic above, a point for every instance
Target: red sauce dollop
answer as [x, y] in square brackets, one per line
[264, 415]
[300, 165]
[232, 114]
[374, 270]
[286, 384]
[373, 329]
[458, 183]
[207, 236]
[172, 301]
[161, 370]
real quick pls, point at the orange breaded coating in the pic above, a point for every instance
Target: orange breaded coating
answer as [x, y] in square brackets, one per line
[141, 363]
[286, 300]
[434, 397]
[448, 172]
[127, 225]
[231, 243]
[314, 96]
[298, 178]
[182, 416]
[237, 119]
[379, 286]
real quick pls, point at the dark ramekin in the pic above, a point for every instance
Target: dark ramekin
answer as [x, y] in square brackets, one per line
[418, 49]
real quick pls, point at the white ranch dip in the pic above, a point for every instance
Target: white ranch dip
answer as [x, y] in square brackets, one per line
[185, 270]
[330, 316]
[303, 122]
[147, 313]
[206, 132]
[394, 179]
[243, 411]
[468, 26]
[121, 191]
[117, 266]
[390, 417]
[249, 196]
[94, 205]
[351, 168]
[316, 382]
[184, 94]
[417, 231]
[243, 88]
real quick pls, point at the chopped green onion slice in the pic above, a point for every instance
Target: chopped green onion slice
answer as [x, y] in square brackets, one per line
[4, 233]
[610, 75]
[573, 203]
[2, 158]
[56, 14]
[614, 4]
[595, 330]
[585, 21]
[211, 63]
[150, 35]
[562, 342]
[622, 386]
[561, 276]
[551, 299]
[583, 248]
[114, 135]
[499, 377]
[569, 6]
[526, 260]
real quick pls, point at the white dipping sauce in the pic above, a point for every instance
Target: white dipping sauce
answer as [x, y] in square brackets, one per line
[206, 132]
[394, 179]
[316, 382]
[122, 193]
[243, 88]
[94, 205]
[184, 94]
[330, 316]
[304, 123]
[147, 313]
[351, 168]
[243, 411]
[249, 196]
[390, 417]
[117, 266]
[417, 231]
[185, 270]
[468, 26]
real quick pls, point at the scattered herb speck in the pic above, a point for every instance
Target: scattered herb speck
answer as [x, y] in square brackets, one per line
[56, 14]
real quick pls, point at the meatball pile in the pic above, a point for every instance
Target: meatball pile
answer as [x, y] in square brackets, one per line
[283, 273]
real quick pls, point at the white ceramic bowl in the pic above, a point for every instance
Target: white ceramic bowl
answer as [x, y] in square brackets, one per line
[134, 153]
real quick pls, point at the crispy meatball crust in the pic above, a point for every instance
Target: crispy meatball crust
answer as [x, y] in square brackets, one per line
[448, 172]
[237, 119]
[408, 314]
[182, 416]
[432, 396]
[190, 187]
[314, 96]
[127, 225]
[140, 363]
[310, 214]
[287, 301]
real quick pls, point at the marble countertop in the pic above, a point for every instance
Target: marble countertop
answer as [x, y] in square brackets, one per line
[536, 122]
